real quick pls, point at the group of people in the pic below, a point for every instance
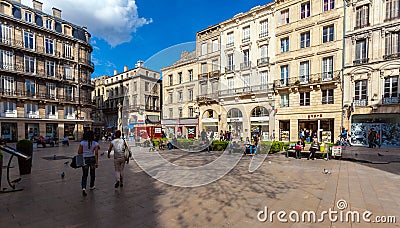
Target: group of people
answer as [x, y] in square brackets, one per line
[89, 148]
[299, 146]
[307, 134]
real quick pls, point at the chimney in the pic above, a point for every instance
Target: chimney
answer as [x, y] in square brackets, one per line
[37, 5]
[56, 12]
[125, 68]
[115, 72]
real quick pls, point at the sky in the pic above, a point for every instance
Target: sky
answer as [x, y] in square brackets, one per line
[154, 31]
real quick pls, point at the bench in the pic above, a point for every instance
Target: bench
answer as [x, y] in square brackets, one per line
[306, 151]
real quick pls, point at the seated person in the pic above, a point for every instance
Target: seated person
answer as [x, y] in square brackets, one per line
[65, 141]
[247, 145]
[41, 140]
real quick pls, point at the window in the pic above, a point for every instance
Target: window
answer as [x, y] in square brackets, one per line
[190, 72]
[229, 42]
[305, 39]
[190, 94]
[246, 34]
[29, 40]
[361, 52]
[180, 112]
[69, 111]
[68, 72]
[284, 100]
[285, 44]
[31, 109]
[30, 64]
[231, 85]
[69, 92]
[49, 24]
[362, 16]
[327, 68]
[304, 72]
[50, 68]
[328, 33]
[51, 90]
[68, 51]
[6, 60]
[215, 65]
[392, 47]
[49, 46]
[284, 75]
[327, 96]
[263, 55]
[305, 99]
[305, 10]
[6, 34]
[284, 17]
[171, 113]
[191, 111]
[204, 68]
[135, 86]
[51, 110]
[246, 80]
[180, 77]
[204, 49]
[28, 17]
[263, 29]
[360, 93]
[7, 85]
[9, 107]
[391, 90]
[180, 96]
[392, 9]
[146, 86]
[329, 5]
[214, 87]
[230, 66]
[215, 45]
[30, 87]
[246, 59]
[170, 98]
[171, 80]
[264, 80]
[203, 88]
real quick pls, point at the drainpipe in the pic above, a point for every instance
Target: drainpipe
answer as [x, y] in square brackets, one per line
[343, 62]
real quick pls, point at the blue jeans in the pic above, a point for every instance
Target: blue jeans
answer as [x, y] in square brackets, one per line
[90, 165]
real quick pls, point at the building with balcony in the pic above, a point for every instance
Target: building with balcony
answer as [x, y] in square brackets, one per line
[135, 93]
[246, 92]
[371, 74]
[308, 66]
[180, 88]
[45, 71]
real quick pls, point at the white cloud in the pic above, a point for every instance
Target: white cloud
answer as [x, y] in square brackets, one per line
[111, 20]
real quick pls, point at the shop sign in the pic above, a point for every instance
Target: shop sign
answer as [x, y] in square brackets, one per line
[314, 116]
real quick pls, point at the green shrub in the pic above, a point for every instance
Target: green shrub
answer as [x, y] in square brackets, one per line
[277, 146]
[219, 145]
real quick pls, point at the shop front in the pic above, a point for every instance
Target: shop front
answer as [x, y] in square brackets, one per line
[188, 127]
[235, 123]
[9, 131]
[31, 130]
[69, 130]
[322, 129]
[284, 130]
[52, 130]
[259, 123]
[387, 125]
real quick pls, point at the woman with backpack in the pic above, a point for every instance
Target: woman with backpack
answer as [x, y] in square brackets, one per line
[119, 146]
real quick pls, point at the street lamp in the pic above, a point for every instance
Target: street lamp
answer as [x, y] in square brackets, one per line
[119, 116]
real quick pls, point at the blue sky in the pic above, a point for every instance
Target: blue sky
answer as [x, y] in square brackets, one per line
[124, 31]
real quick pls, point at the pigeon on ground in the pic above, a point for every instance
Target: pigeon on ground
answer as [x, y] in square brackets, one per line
[66, 163]
[326, 171]
[379, 154]
[62, 175]
[102, 154]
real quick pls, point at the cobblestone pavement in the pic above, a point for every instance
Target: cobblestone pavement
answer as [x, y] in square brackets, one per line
[233, 201]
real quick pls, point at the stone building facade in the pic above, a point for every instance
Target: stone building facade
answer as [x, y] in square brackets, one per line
[45, 74]
[134, 94]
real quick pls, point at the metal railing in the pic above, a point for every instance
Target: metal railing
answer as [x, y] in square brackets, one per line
[361, 61]
[263, 61]
[325, 77]
[263, 34]
[390, 100]
[392, 56]
[360, 102]
[229, 68]
[245, 65]
[247, 90]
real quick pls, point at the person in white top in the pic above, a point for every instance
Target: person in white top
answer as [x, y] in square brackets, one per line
[118, 145]
[89, 148]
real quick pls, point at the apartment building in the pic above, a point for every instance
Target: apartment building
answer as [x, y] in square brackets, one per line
[180, 87]
[246, 93]
[371, 82]
[45, 71]
[308, 62]
[127, 99]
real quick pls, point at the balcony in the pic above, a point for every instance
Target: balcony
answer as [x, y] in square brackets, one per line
[360, 102]
[228, 45]
[326, 77]
[263, 34]
[245, 65]
[390, 100]
[263, 61]
[257, 89]
[360, 61]
[392, 56]
[203, 76]
[229, 68]
[214, 74]
[360, 26]
[245, 40]
[10, 114]
[390, 18]
[207, 98]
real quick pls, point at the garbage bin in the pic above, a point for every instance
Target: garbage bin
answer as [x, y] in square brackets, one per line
[25, 166]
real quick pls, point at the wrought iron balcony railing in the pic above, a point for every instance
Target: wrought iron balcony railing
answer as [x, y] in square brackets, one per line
[360, 102]
[325, 77]
[263, 61]
[361, 61]
[390, 100]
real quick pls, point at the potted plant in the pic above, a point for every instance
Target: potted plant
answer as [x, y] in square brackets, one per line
[25, 146]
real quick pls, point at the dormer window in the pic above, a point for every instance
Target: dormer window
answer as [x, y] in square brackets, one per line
[28, 17]
[49, 24]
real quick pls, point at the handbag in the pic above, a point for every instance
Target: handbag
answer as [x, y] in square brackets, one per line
[298, 147]
[127, 152]
[77, 161]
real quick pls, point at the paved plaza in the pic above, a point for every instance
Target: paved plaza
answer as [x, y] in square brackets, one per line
[365, 181]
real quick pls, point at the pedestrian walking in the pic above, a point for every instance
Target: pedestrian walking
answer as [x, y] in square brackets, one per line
[89, 148]
[371, 138]
[119, 146]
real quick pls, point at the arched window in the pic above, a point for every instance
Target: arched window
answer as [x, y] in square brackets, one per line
[209, 114]
[259, 111]
[234, 113]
